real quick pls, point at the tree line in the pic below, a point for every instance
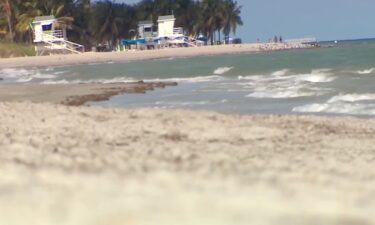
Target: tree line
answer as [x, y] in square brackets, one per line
[92, 22]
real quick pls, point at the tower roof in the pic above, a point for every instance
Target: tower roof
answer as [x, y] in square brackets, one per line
[167, 17]
[43, 18]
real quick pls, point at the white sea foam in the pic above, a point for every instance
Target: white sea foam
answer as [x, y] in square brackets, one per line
[352, 98]
[197, 79]
[24, 79]
[338, 108]
[280, 72]
[91, 81]
[352, 104]
[367, 71]
[317, 76]
[222, 70]
[59, 72]
[23, 75]
[14, 73]
[251, 77]
[281, 93]
[283, 84]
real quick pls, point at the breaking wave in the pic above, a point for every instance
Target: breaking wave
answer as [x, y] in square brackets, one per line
[352, 98]
[280, 72]
[222, 70]
[367, 71]
[24, 75]
[283, 84]
[351, 104]
[318, 76]
[338, 108]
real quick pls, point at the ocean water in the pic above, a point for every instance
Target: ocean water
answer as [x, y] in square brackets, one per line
[337, 80]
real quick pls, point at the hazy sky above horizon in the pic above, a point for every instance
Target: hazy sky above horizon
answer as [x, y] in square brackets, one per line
[323, 19]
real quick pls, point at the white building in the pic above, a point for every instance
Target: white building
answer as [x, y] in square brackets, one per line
[166, 26]
[145, 29]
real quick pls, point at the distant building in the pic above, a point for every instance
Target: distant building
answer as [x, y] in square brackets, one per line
[166, 36]
[145, 29]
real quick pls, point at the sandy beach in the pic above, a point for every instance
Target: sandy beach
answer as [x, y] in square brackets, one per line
[82, 165]
[103, 57]
[77, 165]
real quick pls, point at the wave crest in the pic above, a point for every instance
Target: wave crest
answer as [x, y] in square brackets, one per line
[367, 71]
[337, 108]
[222, 70]
[351, 98]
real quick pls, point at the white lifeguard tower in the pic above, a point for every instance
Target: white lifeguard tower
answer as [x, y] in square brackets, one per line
[48, 40]
[166, 27]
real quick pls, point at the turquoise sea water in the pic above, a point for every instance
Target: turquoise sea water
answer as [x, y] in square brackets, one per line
[335, 80]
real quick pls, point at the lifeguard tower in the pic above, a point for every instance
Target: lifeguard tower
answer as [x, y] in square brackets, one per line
[49, 40]
[166, 27]
[168, 35]
[145, 29]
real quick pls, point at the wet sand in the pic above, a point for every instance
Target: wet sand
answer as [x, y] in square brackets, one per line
[84, 165]
[74, 94]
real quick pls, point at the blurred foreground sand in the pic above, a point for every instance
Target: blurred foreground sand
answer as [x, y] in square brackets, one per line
[81, 165]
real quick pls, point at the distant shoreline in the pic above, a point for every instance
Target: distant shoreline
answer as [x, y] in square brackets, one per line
[75, 94]
[128, 56]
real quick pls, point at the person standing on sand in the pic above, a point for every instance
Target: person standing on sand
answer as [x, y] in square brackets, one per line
[281, 39]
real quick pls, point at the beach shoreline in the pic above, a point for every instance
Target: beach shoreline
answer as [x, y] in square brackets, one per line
[74, 94]
[128, 56]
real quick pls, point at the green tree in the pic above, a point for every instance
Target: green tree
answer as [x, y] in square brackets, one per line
[30, 9]
[107, 24]
[82, 13]
[188, 16]
[91, 22]
[211, 17]
[7, 8]
[232, 17]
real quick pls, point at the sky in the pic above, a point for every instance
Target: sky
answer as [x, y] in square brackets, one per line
[323, 19]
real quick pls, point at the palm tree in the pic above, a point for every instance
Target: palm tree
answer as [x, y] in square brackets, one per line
[232, 17]
[80, 32]
[187, 15]
[6, 7]
[30, 9]
[219, 18]
[107, 23]
[211, 17]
